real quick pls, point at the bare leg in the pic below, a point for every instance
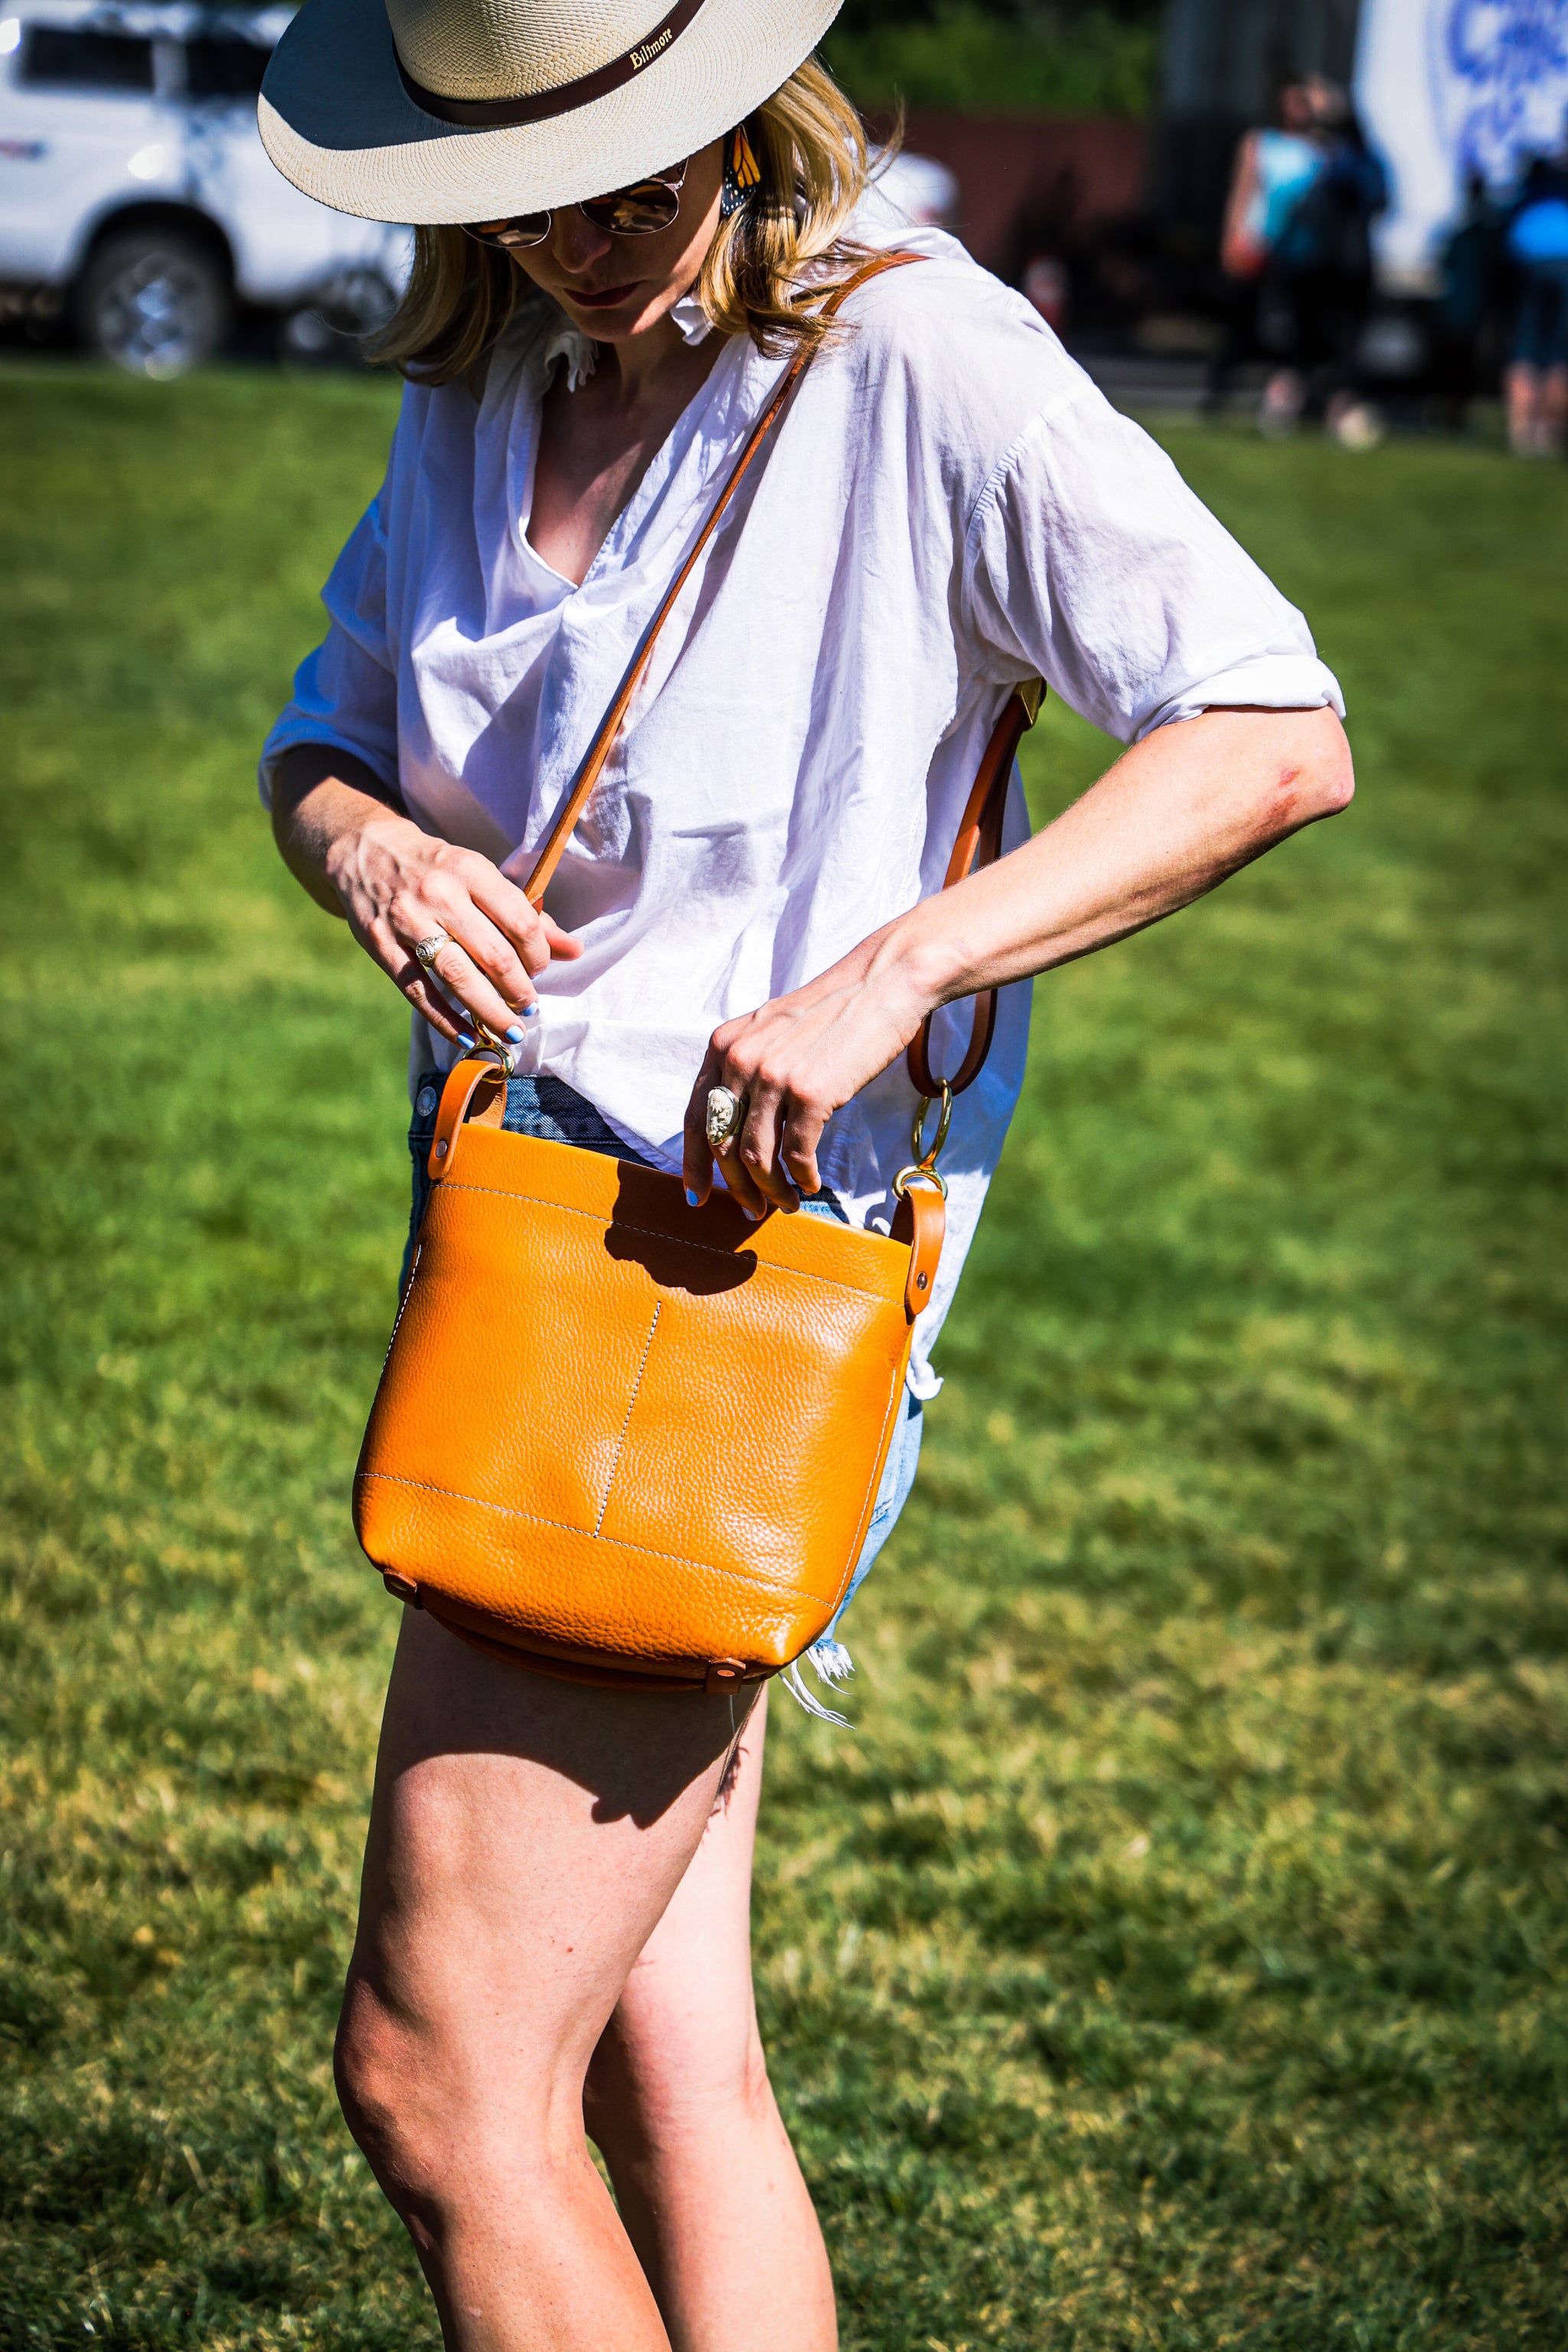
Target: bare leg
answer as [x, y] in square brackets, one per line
[1284, 397]
[679, 2102]
[526, 1837]
[1521, 383]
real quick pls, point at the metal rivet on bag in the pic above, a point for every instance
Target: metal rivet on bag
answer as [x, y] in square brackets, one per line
[440, 1152]
[920, 1282]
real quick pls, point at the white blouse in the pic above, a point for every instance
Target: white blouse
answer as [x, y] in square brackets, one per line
[947, 507]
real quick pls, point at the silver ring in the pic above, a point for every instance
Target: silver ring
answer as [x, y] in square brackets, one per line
[427, 951]
[726, 1112]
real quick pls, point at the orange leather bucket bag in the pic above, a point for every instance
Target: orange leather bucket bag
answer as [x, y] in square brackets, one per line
[622, 1440]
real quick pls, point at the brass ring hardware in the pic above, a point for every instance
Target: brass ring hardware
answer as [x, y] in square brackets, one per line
[924, 1170]
[908, 1176]
[507, 1055]
[924, 1158]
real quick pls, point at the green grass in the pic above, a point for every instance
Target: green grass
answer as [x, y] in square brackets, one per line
[1175, 1956]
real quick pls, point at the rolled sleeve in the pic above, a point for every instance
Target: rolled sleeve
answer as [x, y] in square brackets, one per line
[345, 693]
[1089, 562]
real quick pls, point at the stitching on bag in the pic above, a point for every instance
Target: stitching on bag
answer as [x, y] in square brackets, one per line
[647, 1552]
[879, 1471]
[403, 1305]
[621, 1441]
[616, 1225]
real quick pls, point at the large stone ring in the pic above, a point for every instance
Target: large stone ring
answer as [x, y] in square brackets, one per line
[726, 1112]
[427, 951]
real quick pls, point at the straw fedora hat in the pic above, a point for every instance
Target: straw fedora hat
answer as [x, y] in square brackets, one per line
[467, 110]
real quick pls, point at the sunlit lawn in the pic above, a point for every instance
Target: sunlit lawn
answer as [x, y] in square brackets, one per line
[1175, 1956]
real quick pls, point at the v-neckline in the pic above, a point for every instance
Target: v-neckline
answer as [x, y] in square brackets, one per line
[655, 475]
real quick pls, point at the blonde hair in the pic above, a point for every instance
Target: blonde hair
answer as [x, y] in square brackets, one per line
[810, 147]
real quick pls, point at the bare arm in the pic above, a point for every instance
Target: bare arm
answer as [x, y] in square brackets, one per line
[1177, 813]
[1240, 252]
[360, 856]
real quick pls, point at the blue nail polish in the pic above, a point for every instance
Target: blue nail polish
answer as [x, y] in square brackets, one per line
[691, 1199]
[514, 1034]
[467, 1037]
[531, 1012]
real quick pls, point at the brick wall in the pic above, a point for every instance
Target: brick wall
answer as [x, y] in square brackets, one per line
[1021, 173]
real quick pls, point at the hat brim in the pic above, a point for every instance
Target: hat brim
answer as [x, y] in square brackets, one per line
[337, 120]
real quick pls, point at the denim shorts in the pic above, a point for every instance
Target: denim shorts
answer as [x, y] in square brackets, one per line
[549, 1107]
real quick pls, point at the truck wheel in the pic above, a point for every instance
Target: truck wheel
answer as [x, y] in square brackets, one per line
[154, 302]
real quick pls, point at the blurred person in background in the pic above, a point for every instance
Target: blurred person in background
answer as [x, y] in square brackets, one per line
[1317, 279]
[1537, 380]
[1472, 307]
[1274, 168]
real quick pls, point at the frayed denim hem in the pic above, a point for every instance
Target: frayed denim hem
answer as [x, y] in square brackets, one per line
[828, 1658]
[831, 1663]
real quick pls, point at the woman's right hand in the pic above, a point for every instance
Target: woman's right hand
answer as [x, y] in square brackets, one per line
[396, 885]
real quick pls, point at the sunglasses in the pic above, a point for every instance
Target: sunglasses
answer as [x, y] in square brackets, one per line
[641, 210]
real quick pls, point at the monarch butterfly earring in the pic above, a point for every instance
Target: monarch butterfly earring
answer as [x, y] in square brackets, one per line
[741, 175]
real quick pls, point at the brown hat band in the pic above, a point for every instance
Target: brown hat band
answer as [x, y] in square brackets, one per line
[495, 113]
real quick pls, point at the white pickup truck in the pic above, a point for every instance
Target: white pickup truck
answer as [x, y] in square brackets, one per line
[135, 194]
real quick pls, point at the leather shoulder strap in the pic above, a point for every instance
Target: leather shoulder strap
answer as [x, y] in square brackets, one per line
[599, 751]
[979, 843]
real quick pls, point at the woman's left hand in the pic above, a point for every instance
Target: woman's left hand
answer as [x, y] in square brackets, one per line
[1184, 808]
[794, 1062]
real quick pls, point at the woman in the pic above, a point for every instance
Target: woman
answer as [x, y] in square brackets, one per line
[1319, 279]
[1273, 168]
[554, 1919]
[1299, 216]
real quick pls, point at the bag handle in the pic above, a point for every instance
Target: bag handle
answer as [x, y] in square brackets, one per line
[979, 845]
[599, 751]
